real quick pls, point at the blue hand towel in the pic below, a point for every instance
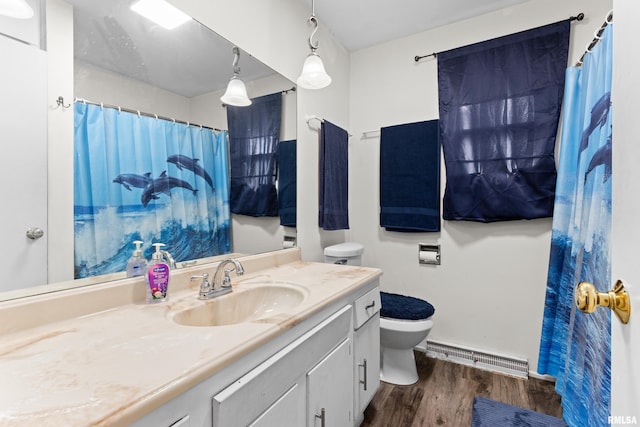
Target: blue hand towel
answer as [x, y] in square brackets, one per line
[410, 177]
[334, 177]
[287, 182]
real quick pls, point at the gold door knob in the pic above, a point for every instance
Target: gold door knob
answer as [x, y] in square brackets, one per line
[617, 299]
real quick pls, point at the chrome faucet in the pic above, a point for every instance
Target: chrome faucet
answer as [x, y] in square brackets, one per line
[167, 256]
[220, 286]
[225, 281]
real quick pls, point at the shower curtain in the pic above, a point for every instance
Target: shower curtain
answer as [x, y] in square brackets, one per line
[149, 179]
[576, 347]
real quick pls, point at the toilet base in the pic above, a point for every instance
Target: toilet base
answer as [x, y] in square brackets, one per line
[398, 366]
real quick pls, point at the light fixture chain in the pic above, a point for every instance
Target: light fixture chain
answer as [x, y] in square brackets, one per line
[236, 60]
[312, 45]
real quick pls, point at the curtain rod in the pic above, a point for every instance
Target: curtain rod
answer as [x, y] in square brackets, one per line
[417, 58]
[284, 92]
[597, 36]
[140, 113]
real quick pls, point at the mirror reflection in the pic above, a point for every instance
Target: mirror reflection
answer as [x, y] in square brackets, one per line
[123, 60]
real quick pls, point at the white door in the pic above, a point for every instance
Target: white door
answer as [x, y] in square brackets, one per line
[625, 264]
[23, 174]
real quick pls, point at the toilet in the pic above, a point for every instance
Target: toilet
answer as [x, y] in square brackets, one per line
[344, 253]
[404, 322]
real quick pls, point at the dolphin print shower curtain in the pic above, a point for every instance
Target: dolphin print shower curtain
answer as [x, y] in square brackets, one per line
[576, 347]
[149, 179]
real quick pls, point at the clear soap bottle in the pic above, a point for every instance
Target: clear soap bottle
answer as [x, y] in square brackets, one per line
[157, 276]
[137, 264]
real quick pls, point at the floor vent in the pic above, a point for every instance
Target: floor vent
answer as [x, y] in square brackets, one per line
[479, 359]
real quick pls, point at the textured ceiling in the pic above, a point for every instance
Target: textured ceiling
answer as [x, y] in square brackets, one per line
[358, 24]
[191, 59]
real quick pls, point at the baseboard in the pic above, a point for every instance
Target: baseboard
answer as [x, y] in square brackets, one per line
[513, 366]
[534, 374]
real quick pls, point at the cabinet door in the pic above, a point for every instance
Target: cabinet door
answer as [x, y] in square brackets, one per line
[246, 399]
[330, 389]
[285, 412]
[367, 358]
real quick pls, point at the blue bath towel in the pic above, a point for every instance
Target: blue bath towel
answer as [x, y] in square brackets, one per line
[404, 307]
[410, 177]
[287, 182]
[334, 173]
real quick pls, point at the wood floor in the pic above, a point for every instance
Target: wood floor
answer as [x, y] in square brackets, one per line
[443, 396]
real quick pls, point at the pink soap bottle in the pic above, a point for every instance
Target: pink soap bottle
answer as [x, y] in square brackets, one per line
[157, 276]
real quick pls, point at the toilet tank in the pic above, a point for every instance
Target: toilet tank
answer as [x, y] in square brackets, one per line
[349, 253]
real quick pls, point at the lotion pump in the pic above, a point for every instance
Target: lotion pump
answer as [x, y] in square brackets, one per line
[157, 276]
[137, 265]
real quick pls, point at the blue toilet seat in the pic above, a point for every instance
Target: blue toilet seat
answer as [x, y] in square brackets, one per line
[404, 307]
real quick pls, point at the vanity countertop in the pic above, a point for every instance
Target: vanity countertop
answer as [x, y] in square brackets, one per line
[114, 366]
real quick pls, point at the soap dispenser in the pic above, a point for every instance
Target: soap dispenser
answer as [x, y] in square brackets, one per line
[157, 276]
[137, 264]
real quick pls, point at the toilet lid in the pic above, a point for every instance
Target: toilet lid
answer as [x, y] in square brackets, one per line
[346, 249]
[404, 307]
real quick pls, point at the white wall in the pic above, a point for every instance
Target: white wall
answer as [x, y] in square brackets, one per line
[489, 291]
[60, 141]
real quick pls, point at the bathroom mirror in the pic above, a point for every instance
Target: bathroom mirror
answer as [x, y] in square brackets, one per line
[122, 59]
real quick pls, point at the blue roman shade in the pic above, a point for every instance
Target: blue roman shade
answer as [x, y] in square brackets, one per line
[499, 104]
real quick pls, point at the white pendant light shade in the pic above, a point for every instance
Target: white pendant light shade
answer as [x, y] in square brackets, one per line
[313, 74]
[236, 93]
[16, 9]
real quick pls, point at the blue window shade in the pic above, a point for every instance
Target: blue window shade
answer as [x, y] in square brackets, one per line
[499, 103]
[254, 135]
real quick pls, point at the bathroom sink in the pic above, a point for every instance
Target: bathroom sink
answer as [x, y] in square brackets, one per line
[258, 302]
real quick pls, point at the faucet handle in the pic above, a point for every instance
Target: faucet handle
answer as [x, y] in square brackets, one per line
[226, 280]
[205, 286]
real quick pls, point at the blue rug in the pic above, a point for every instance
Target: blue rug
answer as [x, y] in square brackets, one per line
[489, 413]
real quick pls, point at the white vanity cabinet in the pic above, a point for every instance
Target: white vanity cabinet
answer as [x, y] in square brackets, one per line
[366, 339]
[329, 371]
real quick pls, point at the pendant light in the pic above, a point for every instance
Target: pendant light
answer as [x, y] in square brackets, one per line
[19, 9]
[313, 74]
[236, 93]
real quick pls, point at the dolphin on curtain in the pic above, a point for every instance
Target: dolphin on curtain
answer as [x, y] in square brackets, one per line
[599, 115]
[129, 180]
[163, 185]
[185, 162]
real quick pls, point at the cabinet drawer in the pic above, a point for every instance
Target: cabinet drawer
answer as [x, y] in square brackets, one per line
[366, 307]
